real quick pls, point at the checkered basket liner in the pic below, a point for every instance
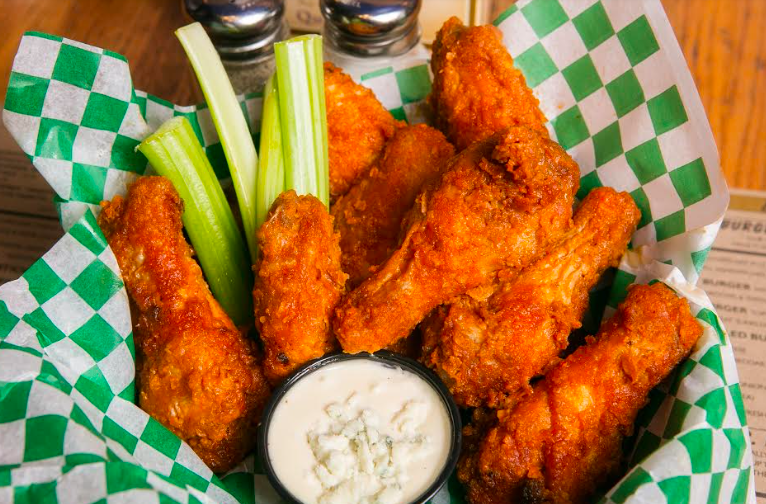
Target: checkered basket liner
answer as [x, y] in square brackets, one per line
[612, 81]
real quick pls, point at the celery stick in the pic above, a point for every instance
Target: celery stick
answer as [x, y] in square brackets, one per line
[174, 152]
[271, 166]
[229, 121]
[319, 117]
[300, 82]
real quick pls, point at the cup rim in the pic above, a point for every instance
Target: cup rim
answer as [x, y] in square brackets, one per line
[381, 356]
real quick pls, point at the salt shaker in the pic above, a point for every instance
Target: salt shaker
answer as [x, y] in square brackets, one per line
[243, 32]
[364, 35]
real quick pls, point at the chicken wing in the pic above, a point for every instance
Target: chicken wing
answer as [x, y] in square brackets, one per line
[357, 128]
[369, 216]
[298, 283]
[564, 441]
[197, 374]
[476, 90]
[487, 353]
[499, 204]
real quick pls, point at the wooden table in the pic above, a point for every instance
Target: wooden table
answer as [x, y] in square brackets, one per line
[724, 42]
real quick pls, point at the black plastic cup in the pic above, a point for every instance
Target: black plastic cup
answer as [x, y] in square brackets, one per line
[383, 357]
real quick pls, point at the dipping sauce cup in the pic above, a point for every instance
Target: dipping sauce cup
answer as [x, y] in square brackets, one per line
[345, 428]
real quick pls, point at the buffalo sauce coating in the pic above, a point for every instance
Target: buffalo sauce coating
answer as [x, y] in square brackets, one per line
[358, 126]
[298, 283]
[476, 90]
[197, 374]
[498, 205]
[488, 351]
[369, 216]
[564, 441]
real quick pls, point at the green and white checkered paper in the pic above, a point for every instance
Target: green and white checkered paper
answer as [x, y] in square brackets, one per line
[612, 81]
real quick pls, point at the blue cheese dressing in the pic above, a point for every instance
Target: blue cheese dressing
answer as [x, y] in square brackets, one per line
[359, 431]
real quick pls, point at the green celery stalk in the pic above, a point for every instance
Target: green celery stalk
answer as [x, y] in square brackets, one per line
[229, 121]
[271, 168]
[319, 116]
[174, 152]
[300, 82]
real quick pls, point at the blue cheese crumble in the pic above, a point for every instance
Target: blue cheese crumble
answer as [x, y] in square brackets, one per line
[359, 461]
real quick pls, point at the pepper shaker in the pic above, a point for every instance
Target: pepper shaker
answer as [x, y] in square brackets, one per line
[243, 32]
[362, 35]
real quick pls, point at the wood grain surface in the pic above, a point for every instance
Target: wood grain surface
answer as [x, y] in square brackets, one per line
[142, 30]
[724, 42]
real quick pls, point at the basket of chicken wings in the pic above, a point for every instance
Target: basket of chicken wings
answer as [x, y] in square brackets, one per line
[463, 279]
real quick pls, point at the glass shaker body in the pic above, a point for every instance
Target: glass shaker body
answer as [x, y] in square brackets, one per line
[365, 35]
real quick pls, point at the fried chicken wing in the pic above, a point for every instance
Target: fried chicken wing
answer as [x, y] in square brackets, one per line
[369, 216]
[564, 441]
[357, 128]
[498, 205]
[487, 352]
[476, 90]
[298, 283]
[197, 373]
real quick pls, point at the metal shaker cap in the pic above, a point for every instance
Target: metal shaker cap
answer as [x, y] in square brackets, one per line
[372, 27]
[241, 29]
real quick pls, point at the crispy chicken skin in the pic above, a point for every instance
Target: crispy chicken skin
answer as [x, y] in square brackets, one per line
[369, 216]
[357, 128]
[476, 90]
[298, 283]
[488, 352]
[197, 374]
[498, 205]
[564, 441]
